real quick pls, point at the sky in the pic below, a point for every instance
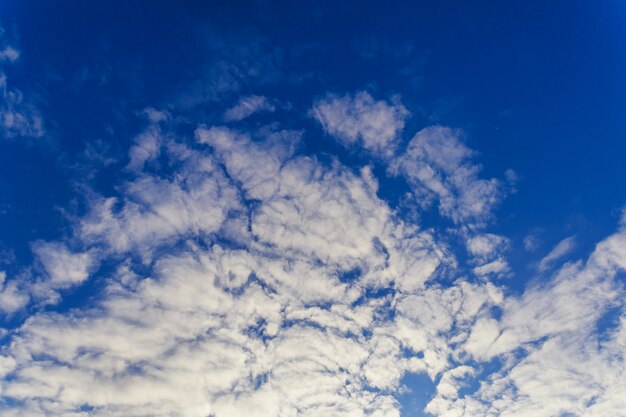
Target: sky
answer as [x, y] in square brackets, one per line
[342, 209]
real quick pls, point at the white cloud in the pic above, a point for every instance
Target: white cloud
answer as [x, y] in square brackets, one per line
[438, 166]
[64, 268]
[486, 250]
[57, 268]
[9, 54]
[247, 106]
[497, 267]
[561, 249]
[146, 148]
[486, 245]
[158, 211]
[266, 329]
[274, 284]
[12, 298]
[555, 360]
[360, 119]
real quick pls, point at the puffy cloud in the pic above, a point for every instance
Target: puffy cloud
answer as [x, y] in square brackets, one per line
[12, 297]
[63, 268]
[58, 268]
[361, 119]
[156, 211]
[247, 106]
[554, 356]
[438, 166]
[271, 328]
[247, 279]
[486, 250]
[267, 329]
[486, 245]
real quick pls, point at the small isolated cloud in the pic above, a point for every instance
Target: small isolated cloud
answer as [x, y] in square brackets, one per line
[9, 54]
[247, 106]
[155, 115]
[351, 119]
[532, 241]
[562, 248]
[58, 268]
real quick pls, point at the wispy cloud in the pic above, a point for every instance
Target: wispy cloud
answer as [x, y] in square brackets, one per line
[247, 106]
[563, 248]
[19, 117]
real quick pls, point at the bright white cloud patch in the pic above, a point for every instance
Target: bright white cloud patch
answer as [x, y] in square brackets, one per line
[487, 252]
[361, 119]
[240, 278]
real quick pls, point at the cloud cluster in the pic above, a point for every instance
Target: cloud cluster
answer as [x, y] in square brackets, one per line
[555, 357]
[239, 277]
[267, 325]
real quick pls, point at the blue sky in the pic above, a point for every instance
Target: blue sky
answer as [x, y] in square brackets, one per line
[434, 186]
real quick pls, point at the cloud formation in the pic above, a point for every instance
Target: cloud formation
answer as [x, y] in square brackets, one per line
[241, 277]
[359, 118]
[438, 166]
